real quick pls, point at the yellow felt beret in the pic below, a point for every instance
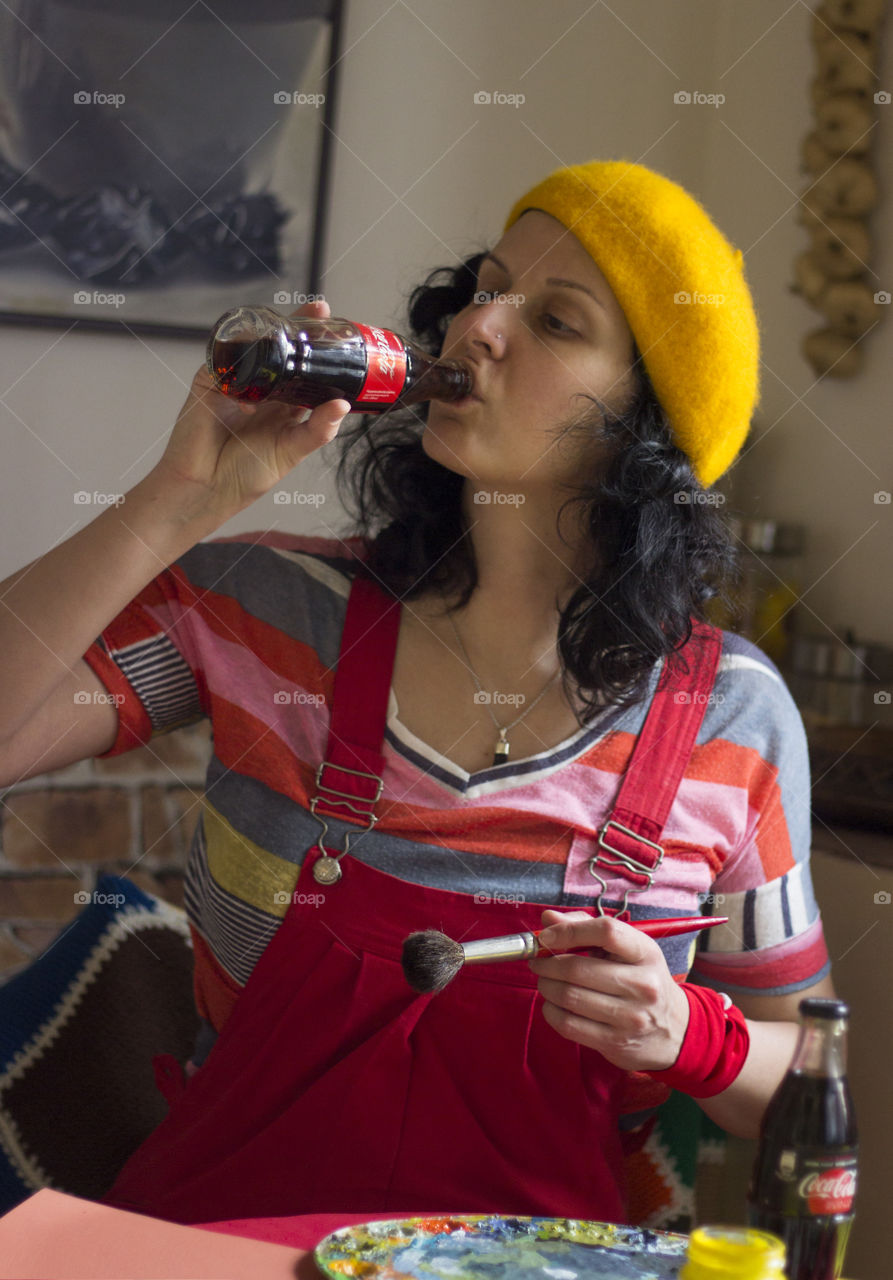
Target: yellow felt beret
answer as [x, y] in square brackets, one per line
[682, 288]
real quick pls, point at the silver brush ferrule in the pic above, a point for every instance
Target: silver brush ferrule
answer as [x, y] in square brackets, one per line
[512, 946]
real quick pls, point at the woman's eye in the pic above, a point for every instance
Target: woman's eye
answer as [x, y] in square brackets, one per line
[481, 298]
[558, 326]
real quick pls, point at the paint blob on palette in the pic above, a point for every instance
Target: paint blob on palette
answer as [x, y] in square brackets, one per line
[496, 1247]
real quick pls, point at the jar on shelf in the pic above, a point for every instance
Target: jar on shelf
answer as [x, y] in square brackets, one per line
[766, 592]
[840, 680]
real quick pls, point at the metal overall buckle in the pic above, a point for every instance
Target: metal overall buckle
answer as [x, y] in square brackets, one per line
[621, 863]
[327, 869]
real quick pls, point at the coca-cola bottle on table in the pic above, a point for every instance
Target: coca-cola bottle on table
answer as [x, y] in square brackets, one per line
[804, 1177]
[256, 354]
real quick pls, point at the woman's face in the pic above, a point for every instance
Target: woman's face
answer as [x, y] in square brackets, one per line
[553, 335]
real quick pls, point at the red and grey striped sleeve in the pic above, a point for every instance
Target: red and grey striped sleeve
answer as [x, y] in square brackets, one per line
[141, 657]
[773, 943]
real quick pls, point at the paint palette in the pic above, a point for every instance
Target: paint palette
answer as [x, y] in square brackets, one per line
[495, 1247]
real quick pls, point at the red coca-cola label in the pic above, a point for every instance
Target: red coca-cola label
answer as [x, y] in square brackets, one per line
[829, 1190]
[814, 1182]
[385, 366]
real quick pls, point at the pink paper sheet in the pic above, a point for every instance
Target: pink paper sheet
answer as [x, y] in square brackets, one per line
[52, 1236]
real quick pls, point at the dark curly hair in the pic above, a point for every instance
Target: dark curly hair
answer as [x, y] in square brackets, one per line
[662, 551]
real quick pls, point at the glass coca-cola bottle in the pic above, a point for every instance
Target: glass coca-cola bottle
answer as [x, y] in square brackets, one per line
[256, 354]
[804, 1177]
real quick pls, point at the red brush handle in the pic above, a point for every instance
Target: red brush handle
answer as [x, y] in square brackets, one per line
[665, 927]
[671, 927]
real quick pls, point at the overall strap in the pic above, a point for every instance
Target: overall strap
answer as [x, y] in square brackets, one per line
[629, 842]
[349, 779]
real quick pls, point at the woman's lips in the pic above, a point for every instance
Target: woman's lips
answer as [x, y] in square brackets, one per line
[471, 398]
[465, 403]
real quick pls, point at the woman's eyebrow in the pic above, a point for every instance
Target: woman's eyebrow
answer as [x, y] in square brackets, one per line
[554, 280]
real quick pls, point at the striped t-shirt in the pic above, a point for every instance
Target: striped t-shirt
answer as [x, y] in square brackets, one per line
[246, 631]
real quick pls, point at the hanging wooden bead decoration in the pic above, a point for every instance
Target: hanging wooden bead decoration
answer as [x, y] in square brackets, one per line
[834, 274]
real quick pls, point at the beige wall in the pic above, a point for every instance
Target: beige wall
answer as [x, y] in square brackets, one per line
[822, 451]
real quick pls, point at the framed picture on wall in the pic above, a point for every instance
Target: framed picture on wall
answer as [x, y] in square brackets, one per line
[160, 163]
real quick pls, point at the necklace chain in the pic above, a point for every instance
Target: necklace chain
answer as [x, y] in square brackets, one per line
[501, 749]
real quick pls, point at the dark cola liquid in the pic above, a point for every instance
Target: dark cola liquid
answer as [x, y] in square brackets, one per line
[809, 1134]
[254, 354]
[815, 1247]
[264, 369]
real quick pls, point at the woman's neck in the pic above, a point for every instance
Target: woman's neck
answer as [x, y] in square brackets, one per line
[525, 574]
[524, 565]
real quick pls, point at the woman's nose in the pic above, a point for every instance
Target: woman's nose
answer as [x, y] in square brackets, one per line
[489, 326]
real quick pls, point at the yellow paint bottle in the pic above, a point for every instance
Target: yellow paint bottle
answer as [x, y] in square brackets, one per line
[733, 1253]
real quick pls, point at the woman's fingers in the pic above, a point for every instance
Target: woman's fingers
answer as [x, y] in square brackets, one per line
[604, 973]
[316, 310]
[566, 929]
[621, 1001]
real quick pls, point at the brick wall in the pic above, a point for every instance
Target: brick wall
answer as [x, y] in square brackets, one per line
[131, 815]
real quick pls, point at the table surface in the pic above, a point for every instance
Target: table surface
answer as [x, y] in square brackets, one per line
[52, 1234]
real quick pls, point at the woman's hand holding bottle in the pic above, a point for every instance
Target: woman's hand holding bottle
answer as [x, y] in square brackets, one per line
[224, 454]
[220, 457]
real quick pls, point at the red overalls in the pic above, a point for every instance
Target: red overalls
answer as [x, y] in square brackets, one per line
[335, 1087]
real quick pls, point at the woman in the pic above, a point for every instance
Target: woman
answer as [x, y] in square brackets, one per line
[534, 754]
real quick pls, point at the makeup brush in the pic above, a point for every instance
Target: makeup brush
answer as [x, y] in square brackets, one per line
[431, 960]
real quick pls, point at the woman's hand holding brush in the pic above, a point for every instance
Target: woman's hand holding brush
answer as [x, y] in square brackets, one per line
[606, 985]
[623, 1002]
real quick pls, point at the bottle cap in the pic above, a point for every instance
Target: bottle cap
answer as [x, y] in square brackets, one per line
[822, 1007]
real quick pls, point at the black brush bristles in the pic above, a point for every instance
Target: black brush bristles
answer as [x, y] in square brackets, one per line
[431, 960]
